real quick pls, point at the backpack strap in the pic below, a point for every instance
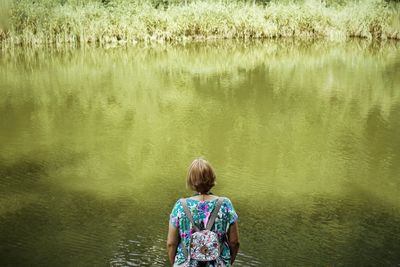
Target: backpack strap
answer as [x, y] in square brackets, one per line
[190, 217]
[214, 213]
[188, 214]
[185, 251]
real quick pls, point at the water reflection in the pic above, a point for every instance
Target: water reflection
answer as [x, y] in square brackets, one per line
[94, 145]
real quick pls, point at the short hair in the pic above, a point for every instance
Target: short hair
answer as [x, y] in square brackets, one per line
[201, 176]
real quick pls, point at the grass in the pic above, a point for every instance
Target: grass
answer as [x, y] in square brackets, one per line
[123, 22]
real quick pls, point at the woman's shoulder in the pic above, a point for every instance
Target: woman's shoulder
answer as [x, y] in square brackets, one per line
[227, 202]
[229, 210]
[177, 205]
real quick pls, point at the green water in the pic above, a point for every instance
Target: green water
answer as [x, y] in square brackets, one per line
[305, 139]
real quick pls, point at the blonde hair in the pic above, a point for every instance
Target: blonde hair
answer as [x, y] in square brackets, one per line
[201, 176]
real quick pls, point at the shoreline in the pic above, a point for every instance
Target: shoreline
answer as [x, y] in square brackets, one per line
[128, 23]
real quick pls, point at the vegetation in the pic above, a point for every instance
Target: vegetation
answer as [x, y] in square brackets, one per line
[128, 22]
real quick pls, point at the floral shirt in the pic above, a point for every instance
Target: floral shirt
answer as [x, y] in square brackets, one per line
[201, 211]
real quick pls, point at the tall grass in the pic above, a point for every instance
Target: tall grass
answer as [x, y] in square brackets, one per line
[124, 22]
[5, 16]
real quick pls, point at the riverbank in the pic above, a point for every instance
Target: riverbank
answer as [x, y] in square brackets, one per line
[125, 23]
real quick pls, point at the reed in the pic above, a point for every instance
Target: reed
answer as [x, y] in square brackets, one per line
[122, 22]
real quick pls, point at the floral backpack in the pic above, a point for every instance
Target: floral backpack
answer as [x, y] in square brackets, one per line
[204, 244]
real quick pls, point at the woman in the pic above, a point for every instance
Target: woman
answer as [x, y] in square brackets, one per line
[201, 178]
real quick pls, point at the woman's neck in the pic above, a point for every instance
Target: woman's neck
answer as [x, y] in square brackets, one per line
[203, 196]
[203, 193]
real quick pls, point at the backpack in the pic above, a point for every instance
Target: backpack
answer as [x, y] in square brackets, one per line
[204, 244]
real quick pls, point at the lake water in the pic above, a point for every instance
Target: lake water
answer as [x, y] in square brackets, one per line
[304, 137]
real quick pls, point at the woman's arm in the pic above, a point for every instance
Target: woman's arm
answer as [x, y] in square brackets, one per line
[172, 242]
[233, 240]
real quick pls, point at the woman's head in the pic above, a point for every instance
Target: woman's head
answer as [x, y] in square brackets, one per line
[201, 176]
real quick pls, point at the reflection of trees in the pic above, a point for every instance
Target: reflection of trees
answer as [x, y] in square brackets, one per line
[111, 129]
[258, 104]
[116, 76]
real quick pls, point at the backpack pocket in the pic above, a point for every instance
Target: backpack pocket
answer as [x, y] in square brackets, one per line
[204, 246]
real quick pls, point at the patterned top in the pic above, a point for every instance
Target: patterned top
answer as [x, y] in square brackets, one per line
[201, 211]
